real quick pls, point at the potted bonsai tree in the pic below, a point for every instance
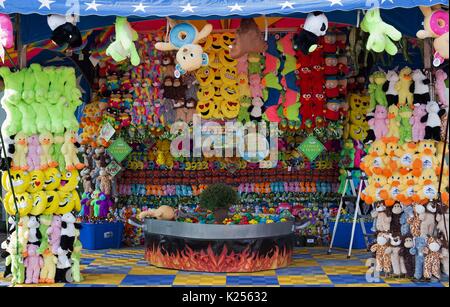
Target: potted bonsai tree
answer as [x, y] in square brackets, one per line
[218, 198]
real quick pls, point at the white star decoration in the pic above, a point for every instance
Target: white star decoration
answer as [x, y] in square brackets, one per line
[333, 2]
[236, 7]
[287, 4]
[383, 1]
[45, 3]
[92, 6]
[2, 3]
[140, 7]
[188, 8]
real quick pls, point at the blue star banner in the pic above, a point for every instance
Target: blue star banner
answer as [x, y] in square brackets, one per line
[198, 8]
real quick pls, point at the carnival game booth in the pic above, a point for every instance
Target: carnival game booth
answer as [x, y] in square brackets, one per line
[310, 69]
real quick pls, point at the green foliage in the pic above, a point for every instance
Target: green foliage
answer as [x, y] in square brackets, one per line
[218, 196]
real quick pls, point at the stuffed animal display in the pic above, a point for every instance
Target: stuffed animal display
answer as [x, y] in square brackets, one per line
[124, 47]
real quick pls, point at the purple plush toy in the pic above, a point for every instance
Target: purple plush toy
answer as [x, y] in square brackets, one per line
[379, 124]
[34, 151]
[34, 263]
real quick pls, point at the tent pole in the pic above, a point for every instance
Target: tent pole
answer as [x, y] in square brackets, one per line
[21, 48]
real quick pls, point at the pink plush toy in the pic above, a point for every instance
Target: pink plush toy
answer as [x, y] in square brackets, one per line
[418, 128]
[242, 65]
[441, 76]
[255, 86]
[379, 124]
[34, 263]
[6, 35]
[54, 233]
[34, 152]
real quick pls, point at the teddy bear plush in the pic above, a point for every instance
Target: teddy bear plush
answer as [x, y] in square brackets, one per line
[433, 121]
[33, 263]
[69, 150]
[408, 257]
[397, 212]
[382, 252]
[54, 233]
[418, 127]
[398, 262]
[418, 251]
[248, 39]
[428, 219]
[383, 216]
[379, 123]
[432, 262]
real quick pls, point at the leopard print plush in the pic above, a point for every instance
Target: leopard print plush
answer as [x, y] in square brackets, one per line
[383, 259]
[415, 223]
[432, 265]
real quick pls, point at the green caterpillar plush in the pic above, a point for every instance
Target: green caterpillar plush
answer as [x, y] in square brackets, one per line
[55, 101]
[57, 155]
[45, 222]
[405, 114]
[76, 256]
[41, 86]
[12, 97]
[73, 99]
[29, 105]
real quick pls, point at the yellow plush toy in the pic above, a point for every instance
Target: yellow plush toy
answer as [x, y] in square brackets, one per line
[407, 157]
[394, 122]
[375, 162]
[393, 153]
[69, 151]
[371, 193]
[408, 188]
[427, 186]
[405, 97]
[426, 157]
[358, 125]
[391, 191]
[19, 161]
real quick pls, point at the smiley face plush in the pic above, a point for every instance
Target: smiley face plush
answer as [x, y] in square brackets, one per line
[214, 61]
[52, 179]
[6, 199]
[230, 93]
[52, 202]
[205, 76]
[66, 203]
[69, 180]
[20, 181]
[205, 92]
[24, 203]
[225, 58]
[37, 179]
[216, 44]
[204, 108]
[39, 203]
[230, 109]
[227, 40]
[217, 81]
[228, 75]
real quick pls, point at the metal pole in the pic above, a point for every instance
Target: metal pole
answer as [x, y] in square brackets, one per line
[338, 214]
[358, 198]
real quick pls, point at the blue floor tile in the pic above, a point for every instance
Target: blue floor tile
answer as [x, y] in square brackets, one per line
[88, 286]
[252, 280]
[333, 262]
[123, 256]
[312, 270]
[302, 256]
[150, 280]
[350, 279]
[86, 261]
[103, 269]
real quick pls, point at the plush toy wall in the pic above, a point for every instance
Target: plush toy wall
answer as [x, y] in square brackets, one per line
[41, 136]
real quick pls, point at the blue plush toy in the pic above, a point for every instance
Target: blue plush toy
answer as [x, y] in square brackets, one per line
[419, 244]
[407, 212]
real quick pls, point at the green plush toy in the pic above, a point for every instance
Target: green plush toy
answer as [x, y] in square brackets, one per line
[73, 99]
[41, 86]
[292, 111]
[244, 115]
[45, 222]
[15, 259]
[56, 153]
[76, 256]
[123, 47]
[380, 33]
[27, 108]
[55, 102]
[377, 95]
[12, 97]
[405, 114]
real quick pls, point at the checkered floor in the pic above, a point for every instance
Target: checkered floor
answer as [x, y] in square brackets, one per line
[310, 267]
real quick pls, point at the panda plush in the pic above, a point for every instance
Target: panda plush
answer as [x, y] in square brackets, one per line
[63, 267]
[64, 30]
[316, 25]
[34, 235]
[68, 227]
[4, 254]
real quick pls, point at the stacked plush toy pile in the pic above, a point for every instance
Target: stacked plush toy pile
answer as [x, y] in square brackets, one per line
[40, 131]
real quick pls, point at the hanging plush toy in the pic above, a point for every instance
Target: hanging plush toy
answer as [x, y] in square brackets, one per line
[6, 35]
[381, 34]
[185, 37]
[123, 47]
[420, 88]
[316, 25]
[248, 39]
[12, 98]
[377, 95]
[403, 87]
[436, 25]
